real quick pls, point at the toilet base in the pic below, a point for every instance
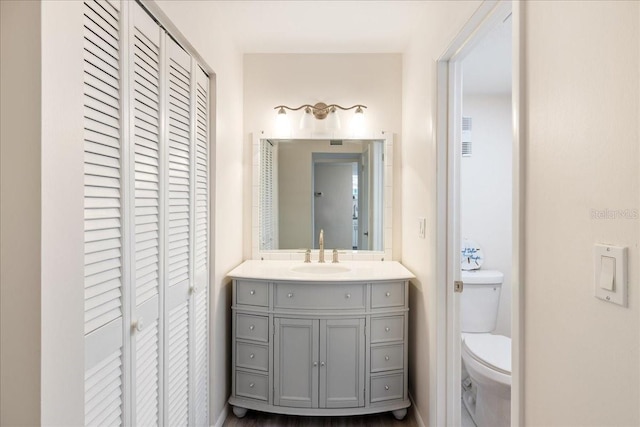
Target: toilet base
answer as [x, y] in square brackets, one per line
[485, 408]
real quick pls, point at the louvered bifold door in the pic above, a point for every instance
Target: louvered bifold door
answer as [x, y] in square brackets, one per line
[103, 197]
[147, 242]
[200, 379]
[179, 233]
[267, 217]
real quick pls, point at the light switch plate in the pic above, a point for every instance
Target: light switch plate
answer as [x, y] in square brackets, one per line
[619, 293]
[422, 227]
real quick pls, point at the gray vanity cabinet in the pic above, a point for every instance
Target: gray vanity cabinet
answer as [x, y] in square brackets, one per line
[319, 348]
[319, 363]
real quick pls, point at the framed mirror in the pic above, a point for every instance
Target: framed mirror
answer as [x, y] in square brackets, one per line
[339, 185]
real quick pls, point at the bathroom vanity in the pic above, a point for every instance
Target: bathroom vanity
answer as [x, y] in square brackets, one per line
[320, 339]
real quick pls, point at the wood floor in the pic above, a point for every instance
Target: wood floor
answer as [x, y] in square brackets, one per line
[262, 419]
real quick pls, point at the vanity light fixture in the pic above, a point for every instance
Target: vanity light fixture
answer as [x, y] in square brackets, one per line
[321, 111]
[282, 124]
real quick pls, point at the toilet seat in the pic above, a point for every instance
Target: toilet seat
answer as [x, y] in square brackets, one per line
[492, 351]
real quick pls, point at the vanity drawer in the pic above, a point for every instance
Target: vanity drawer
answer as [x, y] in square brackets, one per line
[252, 356]
[252, 293]
[252, 386]
[388, 294]
[387, 387]
[254, 328]
[320, 297]
[387, 329]
[387, 358]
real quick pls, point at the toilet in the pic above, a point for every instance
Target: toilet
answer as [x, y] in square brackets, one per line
[486, 358]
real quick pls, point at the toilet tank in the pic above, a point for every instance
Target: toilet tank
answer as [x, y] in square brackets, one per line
[479, 300]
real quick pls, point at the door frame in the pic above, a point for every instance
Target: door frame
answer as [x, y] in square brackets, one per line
[449, 112]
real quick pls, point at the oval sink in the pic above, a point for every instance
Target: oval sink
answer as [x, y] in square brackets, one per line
[320, 268]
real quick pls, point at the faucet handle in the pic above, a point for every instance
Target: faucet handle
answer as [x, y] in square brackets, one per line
[335, 256]
[307, 255]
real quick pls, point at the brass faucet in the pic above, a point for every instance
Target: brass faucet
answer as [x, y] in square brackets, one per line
[321, 244]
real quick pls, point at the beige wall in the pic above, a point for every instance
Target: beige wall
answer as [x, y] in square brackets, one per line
[419, 196]
[206, 27]
[20, 213]
[374, 80]
[581, 354]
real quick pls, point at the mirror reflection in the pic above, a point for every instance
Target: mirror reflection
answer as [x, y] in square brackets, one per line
[312, 185]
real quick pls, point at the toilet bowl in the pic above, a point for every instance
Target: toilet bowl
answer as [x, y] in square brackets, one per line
[487, 360]
[486, 357]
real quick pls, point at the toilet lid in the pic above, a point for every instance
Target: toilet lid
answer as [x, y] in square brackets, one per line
[491, 350]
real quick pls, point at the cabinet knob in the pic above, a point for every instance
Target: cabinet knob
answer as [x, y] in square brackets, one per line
[138, 324]
[388, 294]
[252, 292]
[290, 295]
[386, 387]
[387, 329]
[321, 363]
[251, 356]
[348, 296]
[252, 327]
[315, 363]
[253, 385]
[385, 358]
[193, 289]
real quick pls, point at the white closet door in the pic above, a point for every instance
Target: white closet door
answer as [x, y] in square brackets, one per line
[178, 280]
[104, 278]
[147, 240]
[267, 218]
[201, 254]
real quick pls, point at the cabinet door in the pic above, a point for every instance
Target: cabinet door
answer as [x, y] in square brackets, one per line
[104, 272]
[144, 204]
[179, 231]
[342, 363]
[201, 253]
[296, 363]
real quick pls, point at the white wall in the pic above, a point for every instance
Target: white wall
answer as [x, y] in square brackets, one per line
[20, 216]
[485, 190]
[204, 24]
[419, 195]
[583, 90]
[374, 80]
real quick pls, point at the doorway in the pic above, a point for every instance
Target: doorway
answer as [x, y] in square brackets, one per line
[340, 189]
[479, 162]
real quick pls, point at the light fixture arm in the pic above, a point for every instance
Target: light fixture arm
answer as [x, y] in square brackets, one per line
[320, 110]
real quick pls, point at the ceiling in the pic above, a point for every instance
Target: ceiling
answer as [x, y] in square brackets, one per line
[324, 26]
[487, 68]
[346, 26]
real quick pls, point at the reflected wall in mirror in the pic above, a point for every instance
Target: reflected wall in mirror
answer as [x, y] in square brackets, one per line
[333, 185]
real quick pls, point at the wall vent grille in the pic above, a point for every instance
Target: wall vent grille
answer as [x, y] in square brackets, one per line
[467, 146]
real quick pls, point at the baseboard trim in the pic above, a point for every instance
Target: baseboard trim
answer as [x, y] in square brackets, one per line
[416, 412]
[223, 416]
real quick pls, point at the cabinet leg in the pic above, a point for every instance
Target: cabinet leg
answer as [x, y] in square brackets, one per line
[240, 412]
[399, 414]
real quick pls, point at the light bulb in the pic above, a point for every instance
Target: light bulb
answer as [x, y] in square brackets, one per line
[306, 121]
[333, 121]
[357, 123]
[282, 123]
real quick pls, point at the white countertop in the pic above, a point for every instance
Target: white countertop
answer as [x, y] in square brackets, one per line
[359, 271]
